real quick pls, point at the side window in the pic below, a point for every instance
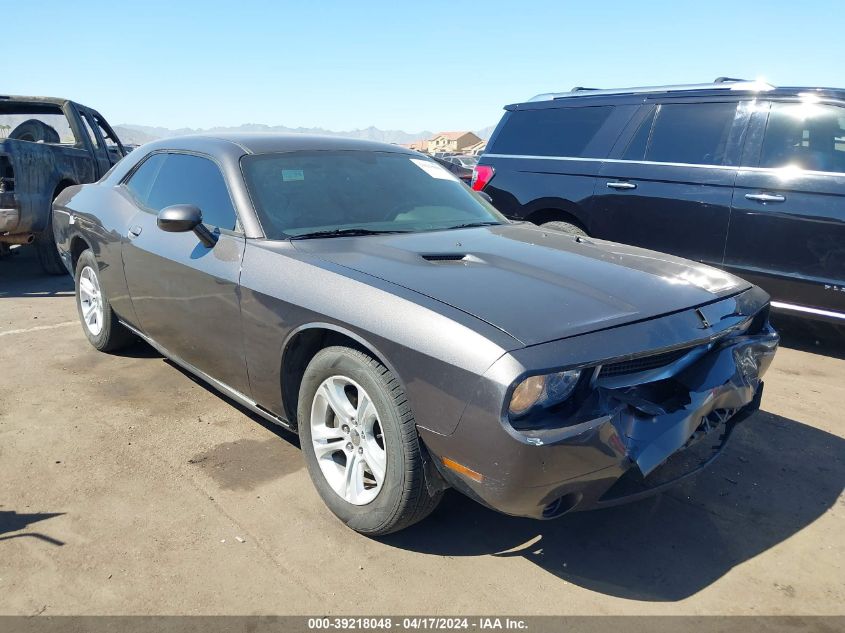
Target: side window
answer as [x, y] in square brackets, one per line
[806, 135]
[551, 131]
[140, 182]
[694, 133]
[86, 125]
[111, 141]
[185, 179]
[637, 147]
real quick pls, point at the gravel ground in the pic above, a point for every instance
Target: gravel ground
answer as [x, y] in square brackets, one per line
[128, 488]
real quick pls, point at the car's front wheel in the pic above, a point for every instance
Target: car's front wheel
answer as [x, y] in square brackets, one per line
[99, 321]
[360, 443]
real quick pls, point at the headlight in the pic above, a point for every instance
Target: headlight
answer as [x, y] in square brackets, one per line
[545, 390]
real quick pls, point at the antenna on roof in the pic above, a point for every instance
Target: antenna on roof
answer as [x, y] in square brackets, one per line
[581, 88]
[724, 80]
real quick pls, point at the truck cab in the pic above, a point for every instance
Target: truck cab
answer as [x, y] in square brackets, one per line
[46, 145]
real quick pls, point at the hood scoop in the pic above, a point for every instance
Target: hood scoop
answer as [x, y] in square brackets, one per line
[443, 258]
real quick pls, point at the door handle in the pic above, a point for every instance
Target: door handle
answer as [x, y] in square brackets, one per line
[765, 197]
[135, 231]
[621, 185]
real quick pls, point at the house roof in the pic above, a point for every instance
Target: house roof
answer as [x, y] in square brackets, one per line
[453, 136]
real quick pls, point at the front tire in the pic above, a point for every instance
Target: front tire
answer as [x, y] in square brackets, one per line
[360, 443]
[99, 321]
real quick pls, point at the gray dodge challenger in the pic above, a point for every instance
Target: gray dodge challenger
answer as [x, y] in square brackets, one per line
[360, 295]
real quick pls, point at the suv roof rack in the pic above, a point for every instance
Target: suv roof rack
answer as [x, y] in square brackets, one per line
[721, 83]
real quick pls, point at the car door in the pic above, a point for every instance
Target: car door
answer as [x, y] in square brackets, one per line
[186, 295]
[546, 157]
[670, 188]
[787, 229]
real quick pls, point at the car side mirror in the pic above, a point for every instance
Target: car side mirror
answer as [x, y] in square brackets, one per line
[181, 218]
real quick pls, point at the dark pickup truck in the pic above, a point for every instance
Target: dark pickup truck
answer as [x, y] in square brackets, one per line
[46, 145]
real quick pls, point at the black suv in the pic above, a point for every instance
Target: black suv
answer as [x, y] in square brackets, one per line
[737, 174]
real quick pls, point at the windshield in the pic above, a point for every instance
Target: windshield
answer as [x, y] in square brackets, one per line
[346, 192]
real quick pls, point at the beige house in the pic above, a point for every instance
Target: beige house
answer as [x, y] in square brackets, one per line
[452, 142]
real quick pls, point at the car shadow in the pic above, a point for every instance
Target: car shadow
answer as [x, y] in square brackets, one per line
[21, 276]
[11, 521]
[288, 436]
[814, 337]
[776, 477]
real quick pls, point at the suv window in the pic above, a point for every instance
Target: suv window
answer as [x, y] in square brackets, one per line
[693, 133]
[186, 179]
[551, 131]
[806, 135]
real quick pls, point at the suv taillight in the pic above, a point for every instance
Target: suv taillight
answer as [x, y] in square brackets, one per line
[481, 175]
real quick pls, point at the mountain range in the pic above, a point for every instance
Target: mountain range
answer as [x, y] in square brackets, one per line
[139, 134]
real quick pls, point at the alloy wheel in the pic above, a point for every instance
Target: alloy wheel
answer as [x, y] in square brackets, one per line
[91, 300]
[348, 440]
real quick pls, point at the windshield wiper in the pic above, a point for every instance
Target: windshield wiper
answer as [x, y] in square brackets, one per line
[472, 225]
[342, 233]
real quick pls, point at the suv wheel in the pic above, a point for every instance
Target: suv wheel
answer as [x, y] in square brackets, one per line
[565, 227]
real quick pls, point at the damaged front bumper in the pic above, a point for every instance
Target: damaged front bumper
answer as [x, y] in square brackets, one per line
[643, 423]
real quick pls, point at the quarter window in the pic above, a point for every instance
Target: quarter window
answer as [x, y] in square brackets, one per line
[552, 131]
[692, 133]
[805, 135]
[186, 179]
[140, 182]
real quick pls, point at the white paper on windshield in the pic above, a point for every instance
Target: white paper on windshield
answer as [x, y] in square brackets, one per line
[432, 169]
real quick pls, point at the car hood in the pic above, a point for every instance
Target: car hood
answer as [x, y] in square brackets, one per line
[536, 285]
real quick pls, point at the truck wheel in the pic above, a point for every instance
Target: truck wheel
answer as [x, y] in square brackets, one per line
[48, 253]
[565, 227]
[35, 131]
[99, 321]
[46, 249]
[360, 443]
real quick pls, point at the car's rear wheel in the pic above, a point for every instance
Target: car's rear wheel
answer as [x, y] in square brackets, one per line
[565, 227]
[360, 443]
[99, 321]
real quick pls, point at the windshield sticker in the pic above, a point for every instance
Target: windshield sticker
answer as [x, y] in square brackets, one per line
[432, 169]
[292, 174]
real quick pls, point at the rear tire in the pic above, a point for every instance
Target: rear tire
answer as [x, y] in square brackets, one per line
[47, 251]
[99, 321]
[344, 378]
[565, 227]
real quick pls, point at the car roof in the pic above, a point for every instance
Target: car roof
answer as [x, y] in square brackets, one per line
[268, 142]
[720, 88]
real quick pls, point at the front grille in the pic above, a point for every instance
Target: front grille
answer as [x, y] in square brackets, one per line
[642, 364]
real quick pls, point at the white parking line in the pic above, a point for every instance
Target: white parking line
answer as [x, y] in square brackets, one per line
[38, 328]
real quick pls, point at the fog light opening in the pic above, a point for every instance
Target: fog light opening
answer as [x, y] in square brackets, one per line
[561, 506]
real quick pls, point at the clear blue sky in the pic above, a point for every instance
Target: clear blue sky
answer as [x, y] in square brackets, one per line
[396, 65]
